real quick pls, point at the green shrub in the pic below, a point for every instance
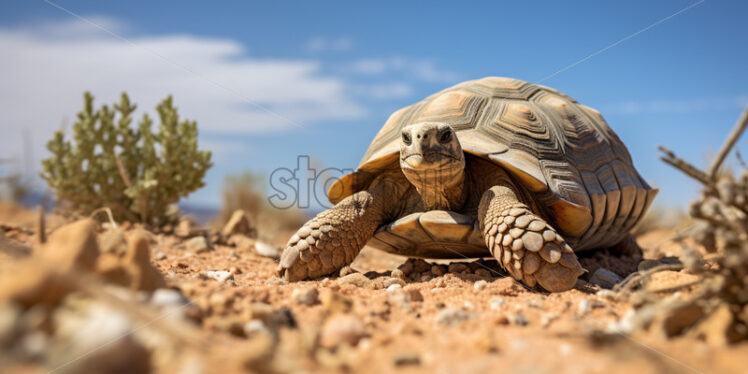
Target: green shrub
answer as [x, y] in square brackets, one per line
[133, 171]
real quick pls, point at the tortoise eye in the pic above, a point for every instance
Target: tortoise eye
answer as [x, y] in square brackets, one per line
[406, 139]
[445, 136]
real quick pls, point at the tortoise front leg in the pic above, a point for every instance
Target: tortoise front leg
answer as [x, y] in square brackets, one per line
[333, 238]
[524, 244]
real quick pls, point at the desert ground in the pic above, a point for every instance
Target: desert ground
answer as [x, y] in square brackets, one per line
[215, 304]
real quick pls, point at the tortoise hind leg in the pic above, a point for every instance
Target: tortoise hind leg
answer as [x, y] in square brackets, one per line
[525, 244]
[333, 238]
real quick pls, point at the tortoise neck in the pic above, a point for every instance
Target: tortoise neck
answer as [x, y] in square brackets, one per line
[440, 189]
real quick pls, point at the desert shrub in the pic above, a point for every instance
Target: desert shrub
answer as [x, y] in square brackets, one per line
[135, 172]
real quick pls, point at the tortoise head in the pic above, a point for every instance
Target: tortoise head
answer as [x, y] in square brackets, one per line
[432, 159]
[430, 146]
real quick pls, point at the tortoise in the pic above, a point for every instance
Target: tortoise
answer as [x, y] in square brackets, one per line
[490, 167]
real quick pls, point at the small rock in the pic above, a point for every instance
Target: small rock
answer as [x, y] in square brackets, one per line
[185, 228]
[519, 319]
[168, 297]
[159, 255]
[341, 329]
[356, 279]
[479, 285]
[452, 316]
[605, 278]
[437, 270]
[413, 295]
[219, 275]
[335, 302]
[394, 286]
[239, 223]
[197, 244]
[407, 359]
[496, 303]
[420, 266]
[391, 281]
[305, 296]
[458, 267]
[397, 273]
[406, 268]
[137, 262]
[483, 273]
[261, 311]
[255, 327]
[267, 250]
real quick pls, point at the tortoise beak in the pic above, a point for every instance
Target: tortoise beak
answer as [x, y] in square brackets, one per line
[414, 161]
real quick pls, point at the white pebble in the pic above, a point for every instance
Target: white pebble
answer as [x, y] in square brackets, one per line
[479, 285]
[496, 303]
[219, 275]
[393, 287]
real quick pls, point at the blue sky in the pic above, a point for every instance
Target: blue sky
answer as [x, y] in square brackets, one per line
[331, 74]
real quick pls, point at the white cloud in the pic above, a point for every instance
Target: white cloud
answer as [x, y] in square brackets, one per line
[675, 106]
[320, 44]
[421, 69]
[213, 80]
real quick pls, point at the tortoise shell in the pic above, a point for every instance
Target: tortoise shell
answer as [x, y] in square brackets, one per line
[561, 151]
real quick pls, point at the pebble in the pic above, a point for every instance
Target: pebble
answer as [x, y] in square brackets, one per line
[457, 267]
[406, 268]
[159, 255]
[605, 278]
[420, 266]
[483, 273]
[405, 359]
[267, 250]
[393, 287]
[305, 296]
[341, 329]
[479, 285]
[437, 270]
[238, 224]
[453, 316]
[413, 295]
[397, 273]
[168, 297]
[519, 319]
[335, 302]
[219, 275]
[356, 279]
[390, 281]
[496, 303]
[254, 327]
[197, 244]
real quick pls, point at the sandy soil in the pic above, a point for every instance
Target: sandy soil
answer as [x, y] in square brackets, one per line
[473, 321]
